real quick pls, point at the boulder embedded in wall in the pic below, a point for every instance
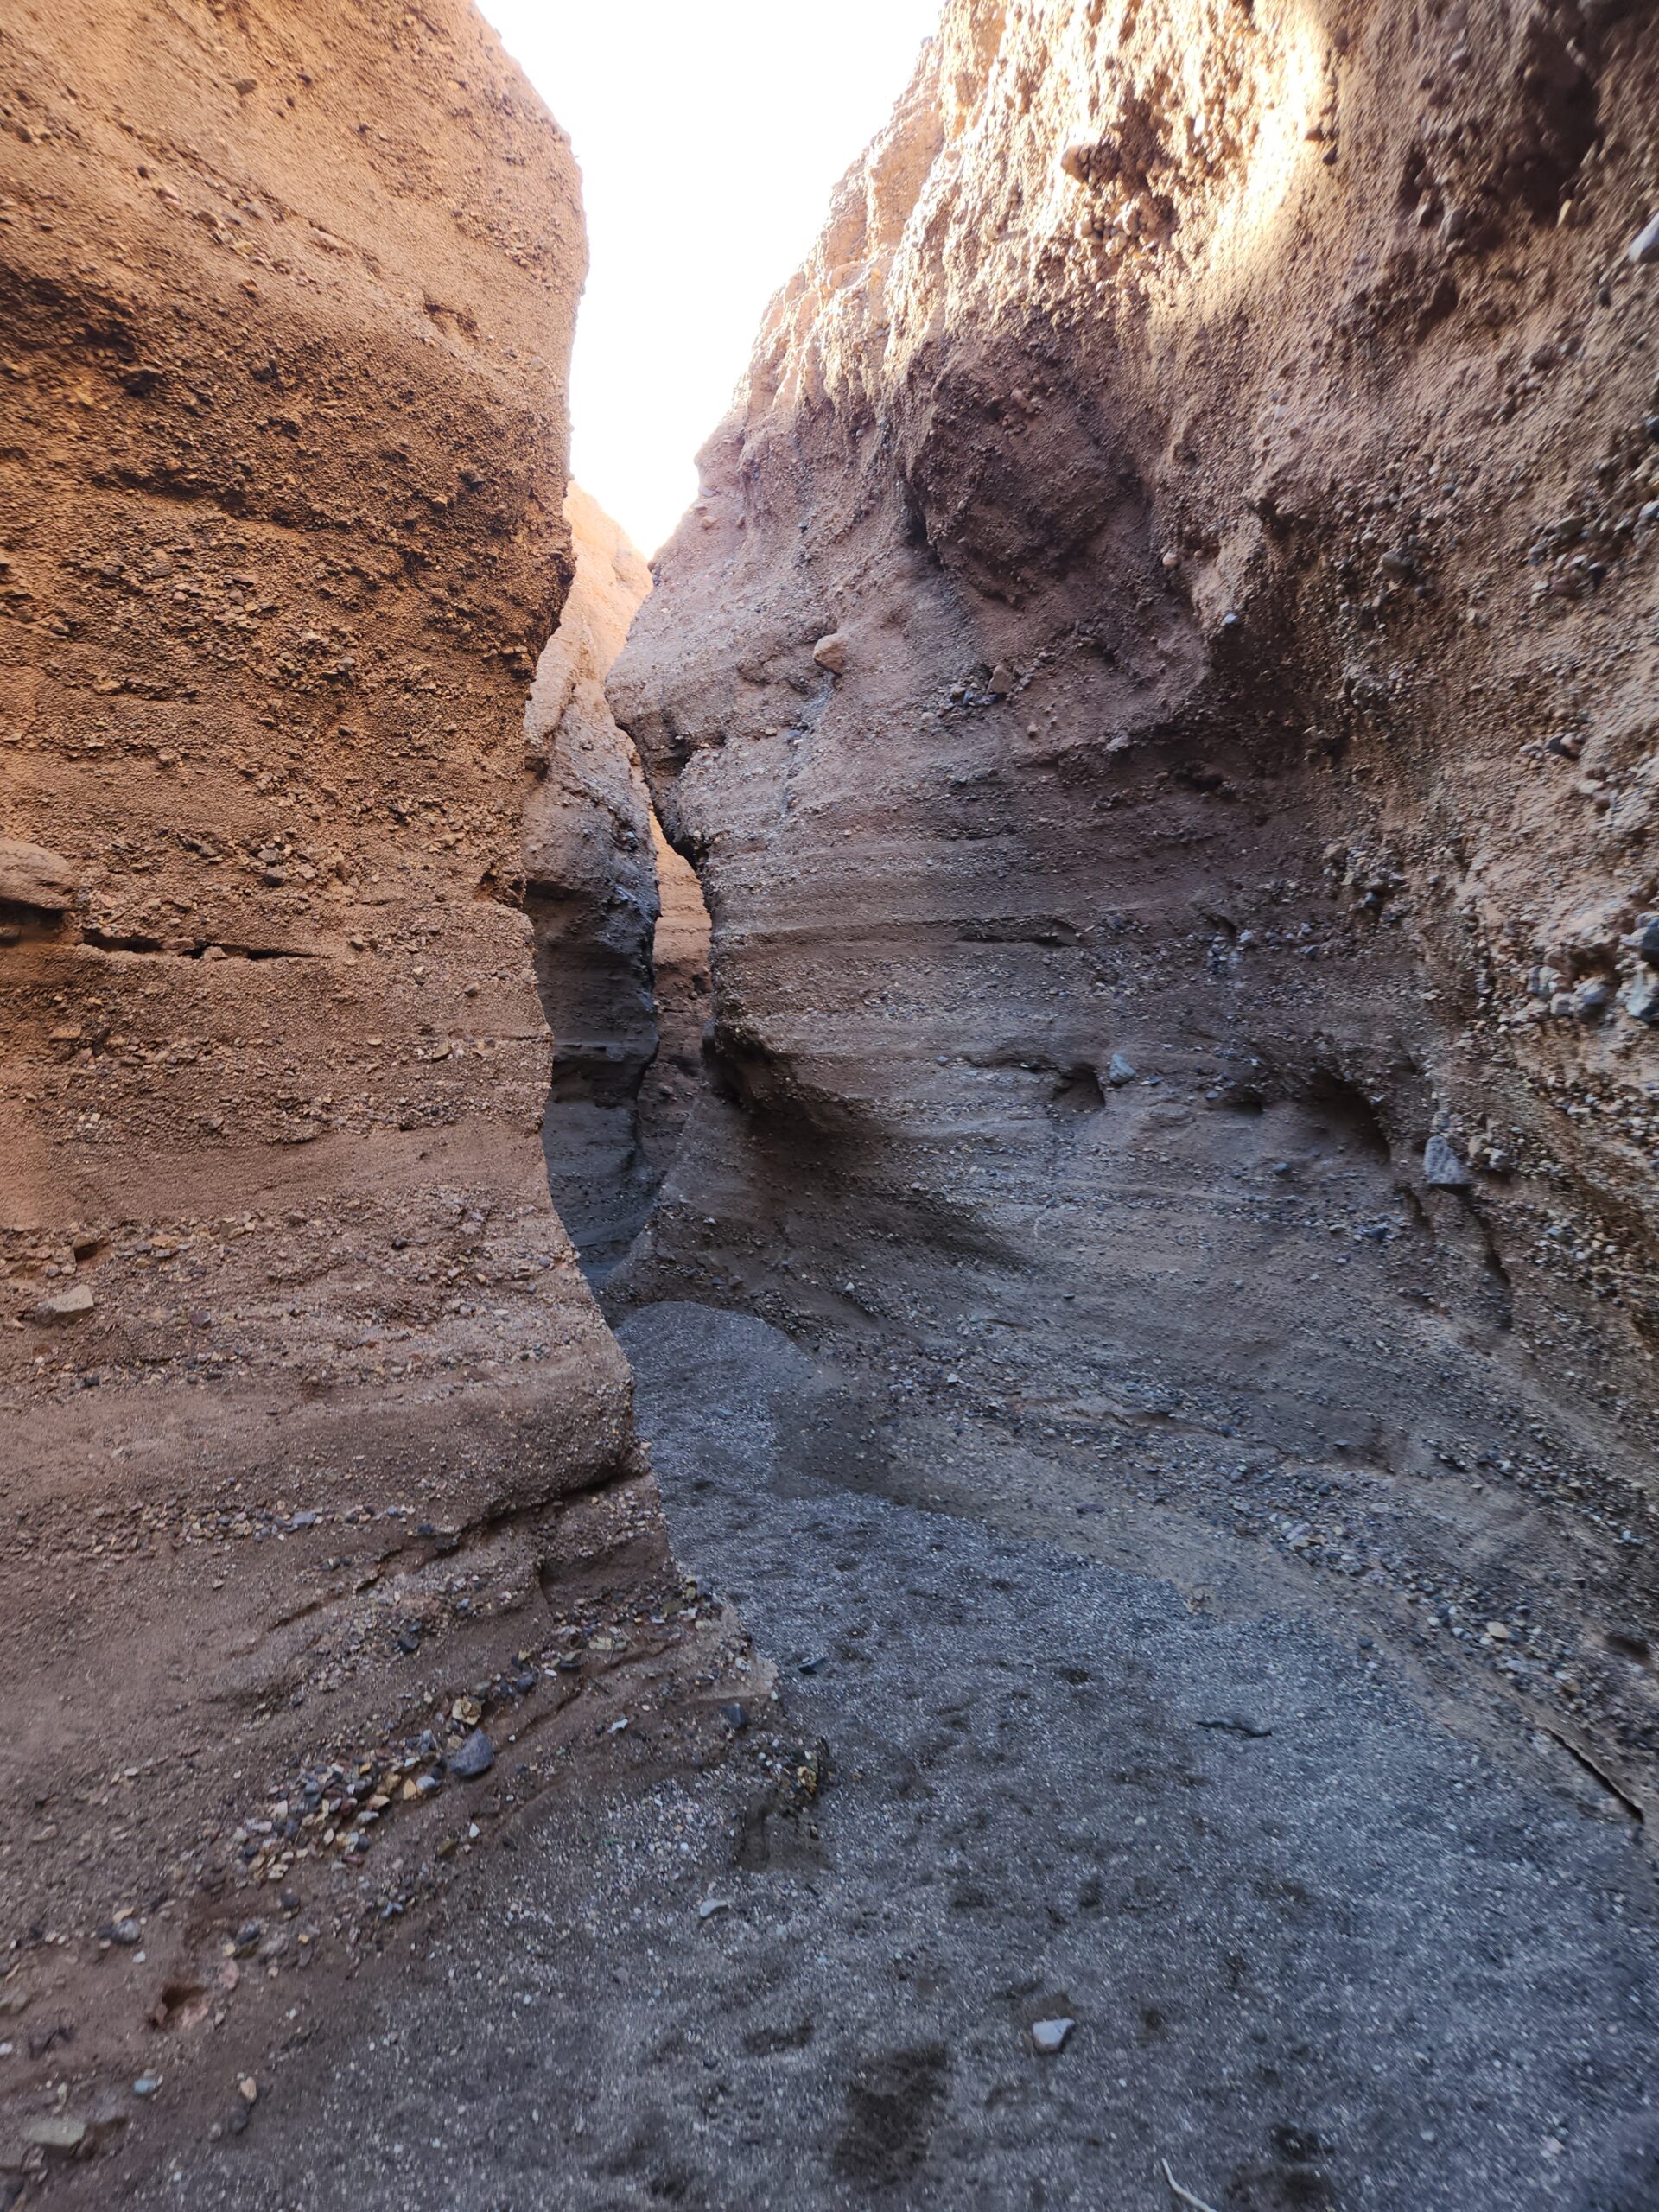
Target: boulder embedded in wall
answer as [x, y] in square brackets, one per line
[32, 876]
[1218, 444]
[287, 298]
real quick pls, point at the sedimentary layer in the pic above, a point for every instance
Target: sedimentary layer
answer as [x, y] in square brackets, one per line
[1158, 688]
[313, 1429]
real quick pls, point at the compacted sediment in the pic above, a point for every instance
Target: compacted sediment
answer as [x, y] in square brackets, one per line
[1149, 1310]
[1318, 1951]
[318, 1452]
[590, 883]
[621, 929]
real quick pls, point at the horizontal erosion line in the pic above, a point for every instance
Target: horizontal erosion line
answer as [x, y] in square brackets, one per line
[948, 927]
[171, 949]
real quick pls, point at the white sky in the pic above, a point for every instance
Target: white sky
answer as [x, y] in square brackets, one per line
[710, 135]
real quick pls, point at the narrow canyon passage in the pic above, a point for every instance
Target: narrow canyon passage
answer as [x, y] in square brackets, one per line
[621, 930]
[830, 1368]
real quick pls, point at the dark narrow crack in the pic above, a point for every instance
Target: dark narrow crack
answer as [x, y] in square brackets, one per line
[623, 977]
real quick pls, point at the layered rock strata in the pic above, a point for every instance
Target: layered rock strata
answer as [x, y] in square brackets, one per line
[621, 929]
[314, 1432]
[1159, 687]
[618, 915]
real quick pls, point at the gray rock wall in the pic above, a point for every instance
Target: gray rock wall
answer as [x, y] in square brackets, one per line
[1158, 688]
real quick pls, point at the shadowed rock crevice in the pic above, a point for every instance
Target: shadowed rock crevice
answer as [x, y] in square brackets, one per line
[621, 932]
[590, 890]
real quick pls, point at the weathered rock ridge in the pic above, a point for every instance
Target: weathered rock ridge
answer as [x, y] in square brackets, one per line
[1159, 687]
[314, 1434]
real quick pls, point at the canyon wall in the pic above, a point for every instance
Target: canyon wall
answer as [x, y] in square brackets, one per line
[314, 1432]
[680, 985]
[621, 930]
[1159, 688]
[590, 878]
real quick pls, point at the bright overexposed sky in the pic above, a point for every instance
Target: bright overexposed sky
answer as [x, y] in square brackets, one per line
[710, 135]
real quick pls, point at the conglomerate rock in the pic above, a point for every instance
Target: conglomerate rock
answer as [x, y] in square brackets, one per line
[1159, 688]
[313, 1430]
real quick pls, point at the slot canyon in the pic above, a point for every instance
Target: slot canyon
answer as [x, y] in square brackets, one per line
[830, 1369]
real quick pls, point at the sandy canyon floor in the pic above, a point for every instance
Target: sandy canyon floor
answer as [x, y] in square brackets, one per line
[1318, 1949]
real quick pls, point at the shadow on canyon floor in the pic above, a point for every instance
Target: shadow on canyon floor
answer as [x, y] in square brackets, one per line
[1317, 1950]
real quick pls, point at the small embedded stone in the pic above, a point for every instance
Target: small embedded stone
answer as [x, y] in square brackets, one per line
[1121, 1070]
[831, 652]
[1049, 2036]
[476, 1757]
[1442, 1169]
[60, 2137]
[1644, 246]
[64, 1307]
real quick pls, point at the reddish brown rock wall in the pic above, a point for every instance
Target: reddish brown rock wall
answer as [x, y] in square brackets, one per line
[297, 1369]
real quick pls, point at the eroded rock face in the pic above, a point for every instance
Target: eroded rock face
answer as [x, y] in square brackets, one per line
[621, 929]
[312, 1424]
[1159, 688]
[680, 987]
[590, 878]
